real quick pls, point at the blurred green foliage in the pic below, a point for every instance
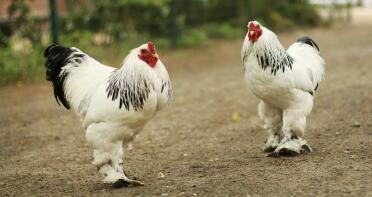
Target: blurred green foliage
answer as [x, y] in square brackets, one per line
[15, 66]
[126, 19]
[120, 25]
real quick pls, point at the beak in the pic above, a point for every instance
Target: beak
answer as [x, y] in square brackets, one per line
[156, 55]
[251, 32]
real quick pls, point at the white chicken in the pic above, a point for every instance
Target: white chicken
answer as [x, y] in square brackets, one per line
[285, 81]
[113, 104]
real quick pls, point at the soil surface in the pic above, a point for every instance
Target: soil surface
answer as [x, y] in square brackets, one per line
[209, 141]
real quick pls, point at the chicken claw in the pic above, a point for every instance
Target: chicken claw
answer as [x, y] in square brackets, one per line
[271, 143]
[292, 147]
[127, 183]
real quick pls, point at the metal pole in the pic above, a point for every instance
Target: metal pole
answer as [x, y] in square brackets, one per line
[53, 21]
[173, 24]
[349, 7]
[246, 11]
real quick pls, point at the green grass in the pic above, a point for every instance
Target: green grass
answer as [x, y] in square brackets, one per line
[28, 64]
[23, 65]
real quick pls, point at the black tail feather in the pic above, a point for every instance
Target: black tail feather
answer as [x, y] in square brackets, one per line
[56, 58]
[308, 41]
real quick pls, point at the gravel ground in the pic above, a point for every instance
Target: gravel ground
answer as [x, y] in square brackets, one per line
[195, 143]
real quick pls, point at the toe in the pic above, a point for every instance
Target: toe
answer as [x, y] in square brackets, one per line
[306, 148]
[283, 152]
[288, 152]
[137, 183]
[273, 154]
[120, 183]
[269, 149]
[126, 183]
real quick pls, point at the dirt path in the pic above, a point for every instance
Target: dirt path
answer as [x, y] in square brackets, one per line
[194, 142]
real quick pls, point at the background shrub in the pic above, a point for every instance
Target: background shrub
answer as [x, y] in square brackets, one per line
[99, 26]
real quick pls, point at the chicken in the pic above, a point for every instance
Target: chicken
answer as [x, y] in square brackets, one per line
[285, 81]
[113, 104]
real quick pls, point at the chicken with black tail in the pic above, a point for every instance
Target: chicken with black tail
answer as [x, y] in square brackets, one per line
[285, 81]
[113, 104]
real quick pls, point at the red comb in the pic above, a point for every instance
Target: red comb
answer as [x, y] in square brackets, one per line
[251, 25]
[151, 47]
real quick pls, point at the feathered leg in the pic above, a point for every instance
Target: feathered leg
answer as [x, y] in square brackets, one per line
[272, 122]
[294, 124]
[108, 155]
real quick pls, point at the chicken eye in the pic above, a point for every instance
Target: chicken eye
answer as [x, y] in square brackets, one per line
[144, 51]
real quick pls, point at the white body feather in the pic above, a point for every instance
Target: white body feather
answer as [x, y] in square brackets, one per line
[287, 95]
[86, 86]
[108, 125]
[285, 88]
[308, 69]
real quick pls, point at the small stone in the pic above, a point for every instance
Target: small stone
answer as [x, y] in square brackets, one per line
[356, 124]
[23, 141]
[161, 175]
